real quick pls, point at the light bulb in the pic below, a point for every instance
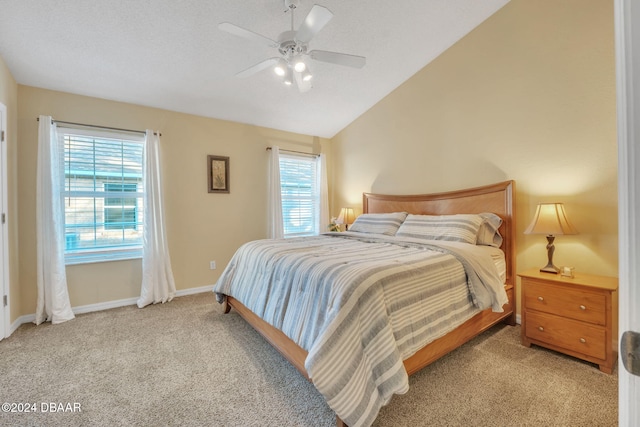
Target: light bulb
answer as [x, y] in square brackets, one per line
[281, 67]
[306, 76]
[299, 65]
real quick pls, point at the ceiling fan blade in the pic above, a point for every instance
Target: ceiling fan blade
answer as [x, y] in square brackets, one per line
[258, 67]
[338, 58]
[313, 23]
[302, 85]
[250, 35]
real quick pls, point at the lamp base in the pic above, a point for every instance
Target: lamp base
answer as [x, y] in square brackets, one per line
[550, 268]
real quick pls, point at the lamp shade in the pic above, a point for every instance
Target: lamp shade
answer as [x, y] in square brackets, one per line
[281, 67]
[298, 64]
[346, 216]
[550, 219]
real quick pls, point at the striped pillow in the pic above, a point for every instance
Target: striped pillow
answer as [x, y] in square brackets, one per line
[382, 223]
[457, 228]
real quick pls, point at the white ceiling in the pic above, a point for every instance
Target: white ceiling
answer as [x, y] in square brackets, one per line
[170, 54]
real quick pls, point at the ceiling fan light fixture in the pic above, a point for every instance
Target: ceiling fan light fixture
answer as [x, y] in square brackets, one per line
[293, 45]
[299, 65]
[281, 67]
[288, 77]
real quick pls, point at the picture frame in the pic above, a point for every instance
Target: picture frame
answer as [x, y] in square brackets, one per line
[218, 174]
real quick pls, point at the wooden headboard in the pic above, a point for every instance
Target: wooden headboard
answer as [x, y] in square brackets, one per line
[497, 198]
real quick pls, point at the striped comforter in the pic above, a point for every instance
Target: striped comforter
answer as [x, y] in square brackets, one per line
[361, 305]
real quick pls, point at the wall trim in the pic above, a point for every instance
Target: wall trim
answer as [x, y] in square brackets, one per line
[30, 318]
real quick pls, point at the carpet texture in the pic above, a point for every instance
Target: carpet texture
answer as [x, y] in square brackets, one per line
[185, 363]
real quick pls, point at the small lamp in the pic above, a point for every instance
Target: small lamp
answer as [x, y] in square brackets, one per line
[550, 219]
[346, 217]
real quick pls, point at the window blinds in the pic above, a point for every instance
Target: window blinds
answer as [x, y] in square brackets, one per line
[103, 194]
[300, 194]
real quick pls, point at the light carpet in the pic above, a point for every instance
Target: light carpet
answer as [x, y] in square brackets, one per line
[185, 363]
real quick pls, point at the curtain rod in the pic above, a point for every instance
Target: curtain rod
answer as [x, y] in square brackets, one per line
[99, 127]
[296, 152]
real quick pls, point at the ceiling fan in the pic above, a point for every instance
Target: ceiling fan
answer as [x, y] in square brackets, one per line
[293, 46]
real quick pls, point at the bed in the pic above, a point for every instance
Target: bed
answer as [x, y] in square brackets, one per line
[346, 339]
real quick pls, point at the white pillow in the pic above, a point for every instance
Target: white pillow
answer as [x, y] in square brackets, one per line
[456, 228]
[382, 223]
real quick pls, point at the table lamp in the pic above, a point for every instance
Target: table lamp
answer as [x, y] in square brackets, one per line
[550, 219]
[346, 217]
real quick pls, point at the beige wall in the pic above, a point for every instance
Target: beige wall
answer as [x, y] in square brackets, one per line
[9, 97]
[529, 95]
[200, 226]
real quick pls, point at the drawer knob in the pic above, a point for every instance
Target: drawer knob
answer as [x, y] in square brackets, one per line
[582, 340]
[541, 328]
[582, 307]
[540, 299]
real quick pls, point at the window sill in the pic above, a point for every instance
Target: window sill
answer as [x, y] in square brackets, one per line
[92, 257]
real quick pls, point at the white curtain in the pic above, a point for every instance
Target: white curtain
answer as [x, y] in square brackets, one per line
[274, 216]
[157, 277]
[324, 194]
[53, 297]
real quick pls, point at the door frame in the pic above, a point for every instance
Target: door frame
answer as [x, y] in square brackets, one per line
[5, 319]
[627, 40]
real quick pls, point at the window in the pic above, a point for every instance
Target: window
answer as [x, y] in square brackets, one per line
[120, 212]
[103, 195]
[300, 189]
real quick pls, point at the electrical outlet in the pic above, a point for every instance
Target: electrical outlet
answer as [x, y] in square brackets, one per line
[212, 265]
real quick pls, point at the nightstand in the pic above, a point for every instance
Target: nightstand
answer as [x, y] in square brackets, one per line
[577, 316]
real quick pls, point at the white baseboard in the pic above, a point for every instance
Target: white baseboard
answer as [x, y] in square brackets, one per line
[27, 318]
[191, 291]
[30, 318]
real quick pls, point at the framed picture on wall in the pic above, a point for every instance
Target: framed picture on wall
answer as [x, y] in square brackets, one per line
[218, 173]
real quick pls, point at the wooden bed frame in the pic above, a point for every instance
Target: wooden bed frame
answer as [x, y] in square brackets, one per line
[497, 198]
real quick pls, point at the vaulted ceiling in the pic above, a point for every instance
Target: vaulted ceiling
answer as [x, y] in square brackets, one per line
[170, 54]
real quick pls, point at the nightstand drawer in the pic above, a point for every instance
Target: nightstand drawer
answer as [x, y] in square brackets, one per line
[566, 333]
[562, 301]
